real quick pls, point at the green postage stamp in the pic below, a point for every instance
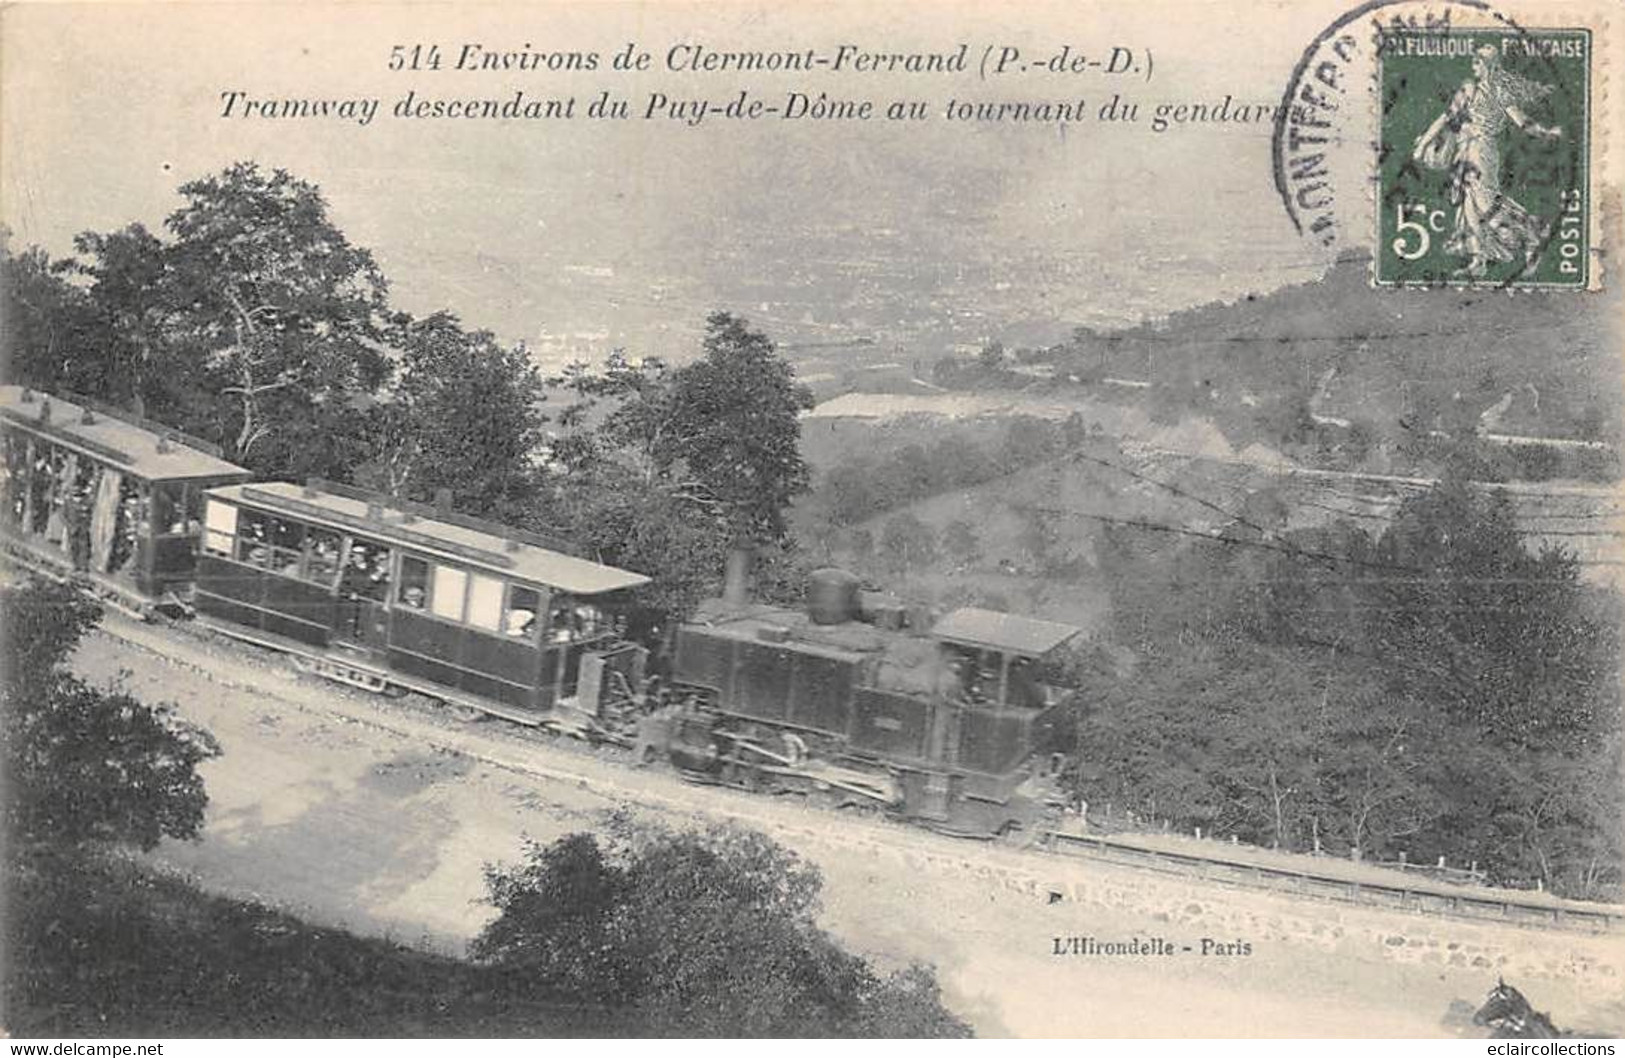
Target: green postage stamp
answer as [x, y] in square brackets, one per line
[1484, 157]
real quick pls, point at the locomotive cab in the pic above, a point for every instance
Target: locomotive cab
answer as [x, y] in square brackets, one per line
[990, 723]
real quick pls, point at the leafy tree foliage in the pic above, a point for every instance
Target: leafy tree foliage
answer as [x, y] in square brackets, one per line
[45, 322]
[1439, 690]
[128, 275]
[284, 311]
[252, 320]
[907, 543]
[86, 766]
[724, 429]
[707, 933]
[960, 541]
[662, 470]
[465, 415]
[255, 323]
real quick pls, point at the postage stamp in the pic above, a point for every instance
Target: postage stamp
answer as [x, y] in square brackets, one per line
[1483, 157]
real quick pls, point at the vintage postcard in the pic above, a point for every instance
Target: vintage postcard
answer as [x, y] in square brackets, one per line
[751, 519]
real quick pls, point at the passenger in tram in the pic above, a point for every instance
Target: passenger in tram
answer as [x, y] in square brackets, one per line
[1025, 690]
[16, 488]
[367, 574]
[324, 558]
[42, 488]
[561, 624]
[413, 597]
[127, 531]
[76, 514]
[63, 473]
[256, 549]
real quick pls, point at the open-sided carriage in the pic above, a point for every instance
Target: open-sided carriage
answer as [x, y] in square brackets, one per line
[100, 493]
[382, 594]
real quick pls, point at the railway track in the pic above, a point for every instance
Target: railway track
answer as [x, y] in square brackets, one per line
[1420, 897]
[1491, 905]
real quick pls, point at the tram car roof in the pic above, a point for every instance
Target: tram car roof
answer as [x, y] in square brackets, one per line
[115, 438]
[479, 548]
[1026, 637]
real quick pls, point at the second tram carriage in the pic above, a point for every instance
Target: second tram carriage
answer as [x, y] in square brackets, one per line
[381, 593]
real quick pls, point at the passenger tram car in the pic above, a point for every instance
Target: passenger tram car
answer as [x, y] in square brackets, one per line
[103, 494]
[383, 593]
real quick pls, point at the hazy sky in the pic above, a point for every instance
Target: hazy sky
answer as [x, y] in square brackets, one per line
[589, 234]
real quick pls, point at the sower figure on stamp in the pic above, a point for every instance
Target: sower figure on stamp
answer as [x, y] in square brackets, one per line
[1490, 228]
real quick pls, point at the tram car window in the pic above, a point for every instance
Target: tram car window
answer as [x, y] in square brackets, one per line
[105, 494]
[219, 528]
[414, 586]
[450, 592]
[253, 545]
[322, 554]
[519, 616]
[391, 594]
[485, 602]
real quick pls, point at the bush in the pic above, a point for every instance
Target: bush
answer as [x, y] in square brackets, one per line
[708, 933]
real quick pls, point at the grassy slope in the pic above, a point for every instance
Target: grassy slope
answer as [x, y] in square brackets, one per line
[116, 950]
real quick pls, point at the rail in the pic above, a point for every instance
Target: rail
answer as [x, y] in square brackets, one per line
[1427, 899]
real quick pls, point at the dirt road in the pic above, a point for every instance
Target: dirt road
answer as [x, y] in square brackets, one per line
[379, 815]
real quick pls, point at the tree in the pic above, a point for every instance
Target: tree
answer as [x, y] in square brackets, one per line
[86, 767]
[907, 543]
[724, 430]
[1510, 640]
[626, 521]
[700, 933]
[258, 324]
[1441, 691]
[684, 464]
[129, 274]
[284, 307]
[45, 323]
[465, 415]
[960, 541]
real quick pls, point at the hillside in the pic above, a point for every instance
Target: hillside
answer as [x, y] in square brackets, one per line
[1398, 361]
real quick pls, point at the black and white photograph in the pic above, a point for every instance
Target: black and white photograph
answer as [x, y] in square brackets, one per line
[743, 519]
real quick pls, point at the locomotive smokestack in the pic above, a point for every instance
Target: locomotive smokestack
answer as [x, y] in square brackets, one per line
[736, 577]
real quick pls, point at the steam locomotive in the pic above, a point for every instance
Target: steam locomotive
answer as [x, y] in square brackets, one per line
[845, 700]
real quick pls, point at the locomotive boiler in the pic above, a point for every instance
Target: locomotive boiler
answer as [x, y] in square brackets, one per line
[840, 699]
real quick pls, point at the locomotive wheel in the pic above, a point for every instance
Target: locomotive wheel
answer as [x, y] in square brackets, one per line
[1012, 835]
